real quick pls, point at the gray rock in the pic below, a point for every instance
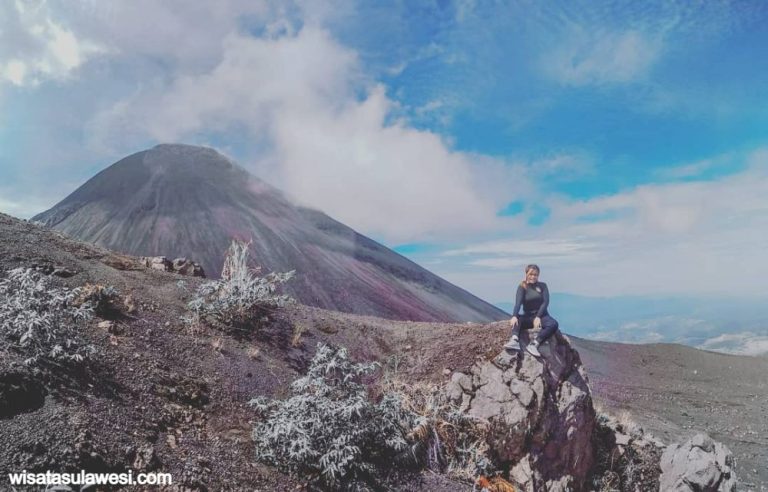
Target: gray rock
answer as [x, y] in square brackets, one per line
[156, 263]
[622, 439]
[540, 414]
[698, 464]
[183, 266]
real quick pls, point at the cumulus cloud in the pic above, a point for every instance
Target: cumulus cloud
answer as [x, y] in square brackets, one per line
[268, 77]
[311, 120]
[34, 47]
[679, 238]
[328, 136]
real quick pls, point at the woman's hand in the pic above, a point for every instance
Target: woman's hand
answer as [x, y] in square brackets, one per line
[537, 323]
[513, 321]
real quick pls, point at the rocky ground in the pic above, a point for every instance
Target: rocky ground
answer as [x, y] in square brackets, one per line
[163, 396]
[160, 395]
[673, 391]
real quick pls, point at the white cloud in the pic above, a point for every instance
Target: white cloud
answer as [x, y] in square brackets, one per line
[627, 336]
[686, 170]
[744, 343]
[503, 262]
[544, 247]
[329, 139]
[328, 134]
[696, 169]
[592, 57]
[35, 48]
[691, 238]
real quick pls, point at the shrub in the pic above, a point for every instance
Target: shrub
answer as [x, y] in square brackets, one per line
[42, 322]
[240, 298]
[329, 428]
[442, 438]
[634, 466]
[102, 299]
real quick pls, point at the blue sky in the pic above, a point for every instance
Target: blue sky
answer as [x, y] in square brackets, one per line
[621, 145]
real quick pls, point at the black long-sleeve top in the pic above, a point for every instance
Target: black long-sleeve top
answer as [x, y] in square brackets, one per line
[533, 298]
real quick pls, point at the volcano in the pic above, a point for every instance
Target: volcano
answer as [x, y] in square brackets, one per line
[181, 200]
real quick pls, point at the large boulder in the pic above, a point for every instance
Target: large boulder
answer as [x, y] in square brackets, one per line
[699, 464]
[540, 414]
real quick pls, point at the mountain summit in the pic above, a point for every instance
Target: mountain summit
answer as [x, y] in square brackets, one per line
[183, 200]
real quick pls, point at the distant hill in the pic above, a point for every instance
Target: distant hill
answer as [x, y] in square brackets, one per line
[182, 200]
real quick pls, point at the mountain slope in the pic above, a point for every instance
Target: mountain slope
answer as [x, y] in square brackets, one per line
[673, 391]
[181, 200]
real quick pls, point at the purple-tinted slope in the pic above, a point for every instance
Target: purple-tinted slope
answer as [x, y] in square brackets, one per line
[181, 200]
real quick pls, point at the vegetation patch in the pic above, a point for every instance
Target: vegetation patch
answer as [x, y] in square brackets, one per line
[329, 429]
[626, 458]
[103, 300]
[41, 322]
[240, 299]
[443, 438]
[332, 431]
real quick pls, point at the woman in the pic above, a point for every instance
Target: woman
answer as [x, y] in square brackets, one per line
[533, 296]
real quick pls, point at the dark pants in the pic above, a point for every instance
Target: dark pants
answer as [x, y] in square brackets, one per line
[548, 326]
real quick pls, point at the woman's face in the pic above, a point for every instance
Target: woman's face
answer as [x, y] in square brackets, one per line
[531, 276]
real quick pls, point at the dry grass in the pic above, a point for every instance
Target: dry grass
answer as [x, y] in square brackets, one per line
[454, 442]
[217, 344]
[610, 482]
[130, 304]
[495, 484]
[104, 299]
[298, 331]
[634, 466]
[253, 353]
[628, 424]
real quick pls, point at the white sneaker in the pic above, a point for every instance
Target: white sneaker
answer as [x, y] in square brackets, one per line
[533, 349]
[512, 344]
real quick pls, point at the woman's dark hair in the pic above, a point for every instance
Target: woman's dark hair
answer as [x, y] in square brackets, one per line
[528, 269]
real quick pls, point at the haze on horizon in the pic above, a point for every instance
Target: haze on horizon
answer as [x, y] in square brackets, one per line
[623, 148]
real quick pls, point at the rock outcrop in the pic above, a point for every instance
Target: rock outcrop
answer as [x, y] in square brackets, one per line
[540, 414]
[698, 464]
[182, 266]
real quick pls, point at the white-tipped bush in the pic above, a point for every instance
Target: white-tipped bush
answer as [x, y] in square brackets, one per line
[241, 298]
[329, 428]
[42, 322]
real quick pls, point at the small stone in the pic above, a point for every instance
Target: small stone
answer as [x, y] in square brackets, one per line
[622, 439]
[447, 371]
[63, 272]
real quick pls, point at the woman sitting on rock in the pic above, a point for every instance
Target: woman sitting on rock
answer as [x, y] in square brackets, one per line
[533, 296]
